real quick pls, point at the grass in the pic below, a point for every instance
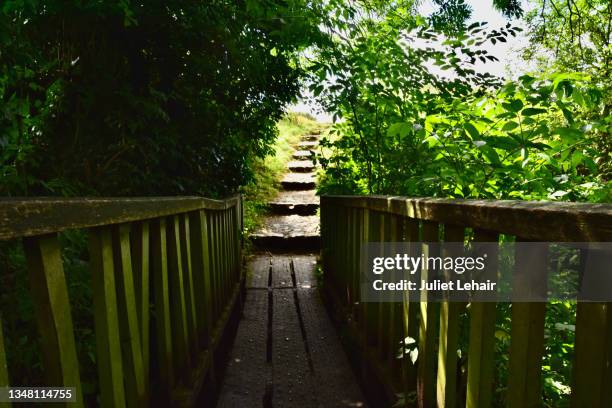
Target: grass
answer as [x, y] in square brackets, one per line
[269, 171]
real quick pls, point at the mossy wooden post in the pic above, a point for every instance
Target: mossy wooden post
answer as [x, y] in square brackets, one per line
[592, 368]
[109, 359]
[53, 315]
[178, 308]
[201, 274]
[426, 364]
[128, 321]
[190, 299]
[527, 331]
[159, 257]
[446, 392]
[482, 337]
[141, 270]
[4, 377]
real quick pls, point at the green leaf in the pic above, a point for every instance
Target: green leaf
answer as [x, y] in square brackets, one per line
[508, 126]
[533, 111]
[471, 129]
[513, 106]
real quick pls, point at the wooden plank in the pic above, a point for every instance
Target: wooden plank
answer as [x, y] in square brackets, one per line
[258, 272]
[141, 271]
[480, 375]
[293, 380]
[446, 388]
[248, 375]
[159, 257]
[201, 275]
[426, 364]
[53, 313]
[527, 331]
[106, 319]
[178, 308]
[128, 322]
[281, 272]
[335, 384]
[37, 216]
[4, 376]
[566, 222]
[188, 284]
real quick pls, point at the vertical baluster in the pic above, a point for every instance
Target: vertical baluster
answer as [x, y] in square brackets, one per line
[159, 257]
[110, 367]
[396, 233]
[409, 312]
[449, 335]
[140, 265]
[214, 245]
[527, 330]
[190, 299]
[592, 369]
[426, 366]
[201, 274]
[178, 309]
[481, 344]
[52, 307]
[128, 320]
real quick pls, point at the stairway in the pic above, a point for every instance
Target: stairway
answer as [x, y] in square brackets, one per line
[293, 223]
[286, 352]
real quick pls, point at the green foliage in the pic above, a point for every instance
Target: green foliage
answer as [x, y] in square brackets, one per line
[407, 129]
[155, 98]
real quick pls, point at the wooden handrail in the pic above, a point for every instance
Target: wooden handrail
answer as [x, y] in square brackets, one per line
[24, 217]
[178, 256]
[578, 222]
[377, 329]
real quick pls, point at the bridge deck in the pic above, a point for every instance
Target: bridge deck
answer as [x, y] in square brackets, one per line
[287, 352]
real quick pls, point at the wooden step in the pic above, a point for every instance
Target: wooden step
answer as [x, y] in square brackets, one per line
[301, 166]
[282, 232]
[287, 208]
[308, 145]
[310, 138]
[299, 181]
[302, 154]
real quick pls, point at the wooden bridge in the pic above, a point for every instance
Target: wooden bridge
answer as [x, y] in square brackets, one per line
[170, 294]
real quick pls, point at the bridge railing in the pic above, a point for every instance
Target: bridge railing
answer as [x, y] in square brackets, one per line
[376, 330]
[165, 276]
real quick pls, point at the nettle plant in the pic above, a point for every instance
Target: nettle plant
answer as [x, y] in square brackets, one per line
[415, 117]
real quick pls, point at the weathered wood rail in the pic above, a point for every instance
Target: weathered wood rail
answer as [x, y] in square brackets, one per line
[164, 271]
[378, 328]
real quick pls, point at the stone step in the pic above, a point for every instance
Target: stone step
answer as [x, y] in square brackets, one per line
[301, 166]
[302, 154]
[282, 232]
[299, 181]
[308, 145]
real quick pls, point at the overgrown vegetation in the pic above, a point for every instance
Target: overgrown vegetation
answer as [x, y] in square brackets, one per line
[268, 172]
[185, 97]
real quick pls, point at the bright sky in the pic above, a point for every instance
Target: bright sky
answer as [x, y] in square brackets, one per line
[507, 53]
